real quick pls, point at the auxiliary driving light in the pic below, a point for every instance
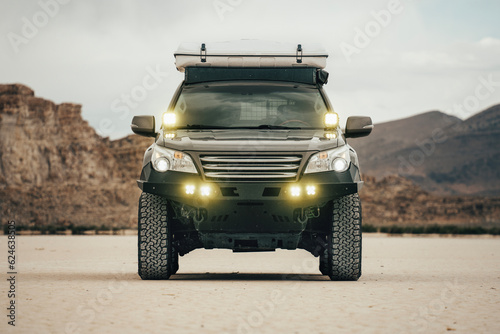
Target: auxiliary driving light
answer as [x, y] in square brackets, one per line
[169, 135]
[189, 189]
[295, 191]
[331, 120]
[169, 119]
[311, 190]
[330, 135]
[205, 191]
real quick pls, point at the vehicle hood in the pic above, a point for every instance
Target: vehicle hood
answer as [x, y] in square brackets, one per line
[243, 140]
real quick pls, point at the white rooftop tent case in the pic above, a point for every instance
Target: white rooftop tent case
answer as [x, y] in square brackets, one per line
[250, 53]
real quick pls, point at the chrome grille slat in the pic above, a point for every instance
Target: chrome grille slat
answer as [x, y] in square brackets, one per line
[251, 159]
[250, 176]
[250, 168]
[233, 167]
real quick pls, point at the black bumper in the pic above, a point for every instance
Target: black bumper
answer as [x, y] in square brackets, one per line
[248, 207]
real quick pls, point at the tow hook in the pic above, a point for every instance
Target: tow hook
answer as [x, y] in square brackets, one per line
[312, 212]
[199, 216]
[302, 218]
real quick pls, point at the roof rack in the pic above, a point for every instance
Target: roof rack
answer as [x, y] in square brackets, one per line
[250, 54]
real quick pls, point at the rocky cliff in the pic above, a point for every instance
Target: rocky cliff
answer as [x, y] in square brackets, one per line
[43, 142]
[55, 170]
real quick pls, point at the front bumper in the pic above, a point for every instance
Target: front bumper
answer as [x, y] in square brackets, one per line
[250, 207]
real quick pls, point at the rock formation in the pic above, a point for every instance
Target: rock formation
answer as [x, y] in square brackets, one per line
[56, 170]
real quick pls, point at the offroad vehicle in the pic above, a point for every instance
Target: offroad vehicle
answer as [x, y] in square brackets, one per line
[250, 157]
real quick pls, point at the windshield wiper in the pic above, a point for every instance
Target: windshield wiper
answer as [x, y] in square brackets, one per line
[200, 126]
[262, 126]
[269, 126]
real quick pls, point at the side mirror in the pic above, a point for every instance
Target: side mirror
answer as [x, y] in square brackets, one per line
[358, 126]
[144, 126]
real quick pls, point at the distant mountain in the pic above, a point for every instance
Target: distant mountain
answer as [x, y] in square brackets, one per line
[439, 152]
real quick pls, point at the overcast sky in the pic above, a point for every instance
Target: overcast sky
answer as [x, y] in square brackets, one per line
[388, 59]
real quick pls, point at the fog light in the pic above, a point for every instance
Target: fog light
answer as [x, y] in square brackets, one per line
[295, 191]
[340, 165]
[205, 191]
[311, 190]
[189, 189]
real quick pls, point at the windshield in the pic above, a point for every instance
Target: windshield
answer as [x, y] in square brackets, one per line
[250, 105]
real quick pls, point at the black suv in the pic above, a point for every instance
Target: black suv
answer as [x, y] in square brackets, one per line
[250, 159]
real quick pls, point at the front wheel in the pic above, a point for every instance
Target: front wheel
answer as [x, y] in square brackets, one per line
[341, 260]
[157, 256]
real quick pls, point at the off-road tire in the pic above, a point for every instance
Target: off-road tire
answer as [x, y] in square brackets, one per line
[343, 254]
[156, 253]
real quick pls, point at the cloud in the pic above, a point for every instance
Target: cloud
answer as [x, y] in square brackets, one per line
[92, 52]
[480, 55]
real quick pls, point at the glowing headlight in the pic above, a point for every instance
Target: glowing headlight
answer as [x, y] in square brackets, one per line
[164, 159]
[331, 120]
[161, 164]
[337, 160]
[339, 165]
[169, 119]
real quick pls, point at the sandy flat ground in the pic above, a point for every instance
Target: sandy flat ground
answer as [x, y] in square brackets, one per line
[88, 284]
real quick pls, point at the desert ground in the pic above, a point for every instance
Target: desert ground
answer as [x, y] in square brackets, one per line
[89, 284]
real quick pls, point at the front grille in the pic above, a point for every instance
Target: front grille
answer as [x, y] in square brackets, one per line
[250, 168]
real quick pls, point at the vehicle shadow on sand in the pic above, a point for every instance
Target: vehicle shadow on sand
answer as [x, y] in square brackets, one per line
[249, 277]
[129, 276]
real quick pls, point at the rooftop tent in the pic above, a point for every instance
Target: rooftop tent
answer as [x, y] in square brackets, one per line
[250, 54]
[306, 75]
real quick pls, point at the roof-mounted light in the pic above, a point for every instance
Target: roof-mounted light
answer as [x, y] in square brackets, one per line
[169, 119]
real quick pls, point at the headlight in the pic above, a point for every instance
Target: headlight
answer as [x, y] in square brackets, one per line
[337, 160]
[164, 159]
[161, 164]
